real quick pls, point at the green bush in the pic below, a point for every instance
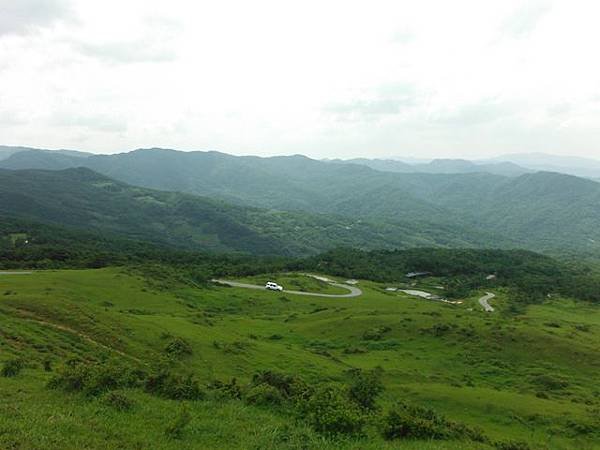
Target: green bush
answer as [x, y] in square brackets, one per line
[118, 400]
[174, 386]
[550, 382]
[264, 395]
[95, 378]
[416, 422]
[12, 368]
[376, 333]
[289, 386]
[365, 387]
[330, 411]
[229, 390]
[178, 348]
[512, 445]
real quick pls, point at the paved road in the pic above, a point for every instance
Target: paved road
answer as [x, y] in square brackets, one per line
[483, 301]
[16, 273]
[354, 291]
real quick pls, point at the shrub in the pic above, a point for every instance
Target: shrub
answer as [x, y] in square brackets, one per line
[174, 386]
[226, 390]
[264, 395]
[366, 387]
[178, 348]
[375, 334]
[416, 422]
[354, 350]
[289, 386]
[550, 382]
[329, 411]
[12, 368]
[175, 429]
[95, 378]
[118, 400]
[512, 445]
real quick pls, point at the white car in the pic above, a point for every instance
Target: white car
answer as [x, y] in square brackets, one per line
[273, 286]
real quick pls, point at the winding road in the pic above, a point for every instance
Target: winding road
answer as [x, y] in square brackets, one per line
[354, 291]
[483, 301]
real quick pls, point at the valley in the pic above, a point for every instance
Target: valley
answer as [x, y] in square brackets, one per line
[414, 311]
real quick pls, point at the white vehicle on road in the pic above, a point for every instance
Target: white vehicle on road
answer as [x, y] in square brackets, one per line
[272, 286]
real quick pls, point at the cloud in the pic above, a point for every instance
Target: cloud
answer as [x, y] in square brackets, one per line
[402, 37]
[19, 17]
[386, 100]
[93, 122]
[11, 118]
[474, 114]
[524, 20]
[140, 50]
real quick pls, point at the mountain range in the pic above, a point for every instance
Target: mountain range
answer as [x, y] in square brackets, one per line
[83, 199]
[294, 195]
[505, 168]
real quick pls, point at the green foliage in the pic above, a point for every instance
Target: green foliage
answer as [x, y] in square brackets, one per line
[226, 390]
[329, 410]
[550, 382]
[289, 386]
[12, 368]
[512, 445]
[118, 400]
[530, 276]
[178, 348]
[95, 378]
[264, 395]
[165, 383]
[376, 333]
[416, 422]
[365, 387]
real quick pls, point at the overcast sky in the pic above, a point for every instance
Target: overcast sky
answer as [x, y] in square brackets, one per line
[324, 78]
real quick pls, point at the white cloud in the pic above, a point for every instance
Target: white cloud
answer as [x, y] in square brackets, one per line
[525, 19]
[328, 79]
[25, 16]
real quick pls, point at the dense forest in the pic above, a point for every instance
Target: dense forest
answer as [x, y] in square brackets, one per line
[534, 276]
[542, 211]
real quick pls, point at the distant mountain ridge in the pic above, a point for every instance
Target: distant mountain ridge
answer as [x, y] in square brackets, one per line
[538, 211]
[442, 166]
[83, 199]
[570, 165]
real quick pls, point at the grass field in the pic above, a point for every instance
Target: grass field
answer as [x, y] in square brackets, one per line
[532, 376]
[296, 282]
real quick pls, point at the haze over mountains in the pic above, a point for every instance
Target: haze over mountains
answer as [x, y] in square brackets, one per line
[307, 205]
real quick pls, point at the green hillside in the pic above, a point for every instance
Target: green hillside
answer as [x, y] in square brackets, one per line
[497, 379]
[540, 211]
[82, 199]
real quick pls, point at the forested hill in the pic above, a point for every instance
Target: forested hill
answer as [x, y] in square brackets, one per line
[540, 211]
[81, 198]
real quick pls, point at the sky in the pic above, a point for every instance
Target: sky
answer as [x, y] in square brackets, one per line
[328, 79]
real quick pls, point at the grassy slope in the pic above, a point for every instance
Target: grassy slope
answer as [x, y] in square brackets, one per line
[481, 370]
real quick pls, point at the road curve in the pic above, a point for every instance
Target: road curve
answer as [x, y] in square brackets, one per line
[354, 291]
[483, 301]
